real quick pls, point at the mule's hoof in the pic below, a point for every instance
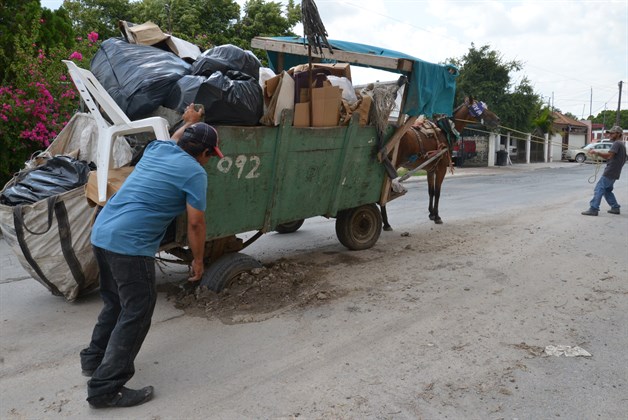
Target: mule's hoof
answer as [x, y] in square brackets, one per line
[438, 221]
[388, 228]
[431, 217]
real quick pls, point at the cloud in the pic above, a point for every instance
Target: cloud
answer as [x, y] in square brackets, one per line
[568, 48]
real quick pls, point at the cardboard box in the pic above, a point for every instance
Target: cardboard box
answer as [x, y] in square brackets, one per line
[326, 106]
[115, 179]
[336, 69]
[302, 114]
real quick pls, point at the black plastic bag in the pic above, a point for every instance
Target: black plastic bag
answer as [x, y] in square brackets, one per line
[233, 98]
[224, 58]
[138, 77]
[184, 92]
[58, 175]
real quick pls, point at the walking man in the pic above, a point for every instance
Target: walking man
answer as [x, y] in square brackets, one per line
[168, 180]
[616, 157]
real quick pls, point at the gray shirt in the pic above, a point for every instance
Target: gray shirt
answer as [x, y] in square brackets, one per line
[616, 163]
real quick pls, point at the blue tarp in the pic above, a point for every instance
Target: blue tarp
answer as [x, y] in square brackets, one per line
[431, 87]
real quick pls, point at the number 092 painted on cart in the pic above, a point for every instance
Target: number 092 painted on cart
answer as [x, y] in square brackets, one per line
[243, 164]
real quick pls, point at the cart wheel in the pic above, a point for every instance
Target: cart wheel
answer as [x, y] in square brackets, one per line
[359, 228]
[289, 227]
[221, 272]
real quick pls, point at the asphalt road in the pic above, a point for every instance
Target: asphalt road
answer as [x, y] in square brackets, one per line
[445, 321]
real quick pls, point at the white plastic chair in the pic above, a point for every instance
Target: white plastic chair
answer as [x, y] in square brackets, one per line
[94, 95]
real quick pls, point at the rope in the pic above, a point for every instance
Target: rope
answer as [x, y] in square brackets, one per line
[593, 178]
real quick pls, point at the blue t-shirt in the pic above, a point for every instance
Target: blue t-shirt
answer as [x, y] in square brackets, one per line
[135, 219]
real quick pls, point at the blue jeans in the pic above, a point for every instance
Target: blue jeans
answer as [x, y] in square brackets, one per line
[127, 288]
[603, 188]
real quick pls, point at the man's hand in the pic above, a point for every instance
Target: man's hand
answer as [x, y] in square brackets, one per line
[197, 269]
[196, 240]
[192, 116]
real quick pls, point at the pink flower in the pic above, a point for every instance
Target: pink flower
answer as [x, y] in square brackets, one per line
[76, 56]
[92, 36]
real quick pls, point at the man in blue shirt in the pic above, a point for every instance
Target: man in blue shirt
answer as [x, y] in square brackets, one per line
[168, 180]
[616, 157]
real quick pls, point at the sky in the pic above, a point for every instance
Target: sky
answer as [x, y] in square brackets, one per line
[574, 53]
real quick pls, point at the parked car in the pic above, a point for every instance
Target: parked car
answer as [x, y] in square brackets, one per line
[580, 155]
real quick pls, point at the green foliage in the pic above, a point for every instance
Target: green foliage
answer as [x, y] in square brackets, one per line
[607, 118]
[100, 16]
[40, 98]
[544, 121]
[55, 29]
[17, 18]
[486, 76]
[263, 18]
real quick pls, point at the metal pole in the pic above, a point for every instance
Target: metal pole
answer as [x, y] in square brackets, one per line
[618, 104]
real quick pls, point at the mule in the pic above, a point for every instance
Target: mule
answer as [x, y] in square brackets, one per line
[423, 140]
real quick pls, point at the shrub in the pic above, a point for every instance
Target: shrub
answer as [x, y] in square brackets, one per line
[39, 101]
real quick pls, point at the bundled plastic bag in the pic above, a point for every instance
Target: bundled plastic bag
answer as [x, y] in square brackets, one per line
[224, 58]
[57, 175]
[138, 77]
[233, 98]
[184, 92]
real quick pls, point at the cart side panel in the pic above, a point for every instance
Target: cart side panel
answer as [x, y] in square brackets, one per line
[273, 175]
[239, 184]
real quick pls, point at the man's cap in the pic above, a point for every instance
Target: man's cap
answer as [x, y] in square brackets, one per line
[615, 129]
[206, 135]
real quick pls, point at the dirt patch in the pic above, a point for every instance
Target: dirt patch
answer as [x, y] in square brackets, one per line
[257, 295]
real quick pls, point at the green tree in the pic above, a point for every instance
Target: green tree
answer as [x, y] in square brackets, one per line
[99, 16]
[18, 21]
[267, 19]
[56, 29]
[486, 76]
[544, 122]
[607, 117]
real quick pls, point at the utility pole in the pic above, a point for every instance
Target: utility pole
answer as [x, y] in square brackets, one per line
[591, 102]
[618, 104]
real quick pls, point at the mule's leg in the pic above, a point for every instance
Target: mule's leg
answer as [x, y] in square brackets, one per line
[430, 189]
[387, 227]
[439, 177]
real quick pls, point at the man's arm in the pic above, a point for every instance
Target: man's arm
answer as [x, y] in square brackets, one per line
[603, 155]
[196, 240]
[190, 116]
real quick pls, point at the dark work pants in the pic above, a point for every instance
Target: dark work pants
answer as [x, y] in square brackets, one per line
[127, 288]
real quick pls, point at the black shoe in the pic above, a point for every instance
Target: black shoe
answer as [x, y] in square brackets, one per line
[590, 212]
[614, 210]
[88, 372]
[124, 398]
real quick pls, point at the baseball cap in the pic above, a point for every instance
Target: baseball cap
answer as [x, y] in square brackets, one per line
[615, 129]
[206, 135]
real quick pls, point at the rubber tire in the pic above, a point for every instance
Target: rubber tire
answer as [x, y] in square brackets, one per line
[359, 228]
[580, 157]
[289, 227]
[225, 269]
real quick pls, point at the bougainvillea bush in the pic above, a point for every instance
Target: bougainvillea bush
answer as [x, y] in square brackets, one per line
[39, 101]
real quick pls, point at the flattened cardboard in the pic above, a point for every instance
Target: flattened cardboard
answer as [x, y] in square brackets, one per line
[326, 106]
[115, 179]
[302, 114]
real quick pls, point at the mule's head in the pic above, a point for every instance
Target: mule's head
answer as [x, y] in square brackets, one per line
[479, 111]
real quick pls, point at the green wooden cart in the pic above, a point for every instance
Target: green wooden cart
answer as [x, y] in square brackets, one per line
[272, 178]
